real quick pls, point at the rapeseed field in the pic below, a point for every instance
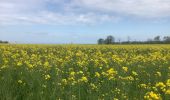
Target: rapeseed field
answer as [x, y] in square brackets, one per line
[84, 72]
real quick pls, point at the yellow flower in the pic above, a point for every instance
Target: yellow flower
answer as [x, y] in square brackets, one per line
[152, 96]
[84, 79]
[64, 81]
[93, 86]
[47, 76]
[167, 91]
[143, 86]
[130, 78]
[111, 73]
[125, 69]
[159, 74]
[161, 85]
[20, 81]
[134, 73]
[30, 66]
[19, 64]
[80, 72]
[46, 64]
[72, 73]
[97, 74]
[168, 82]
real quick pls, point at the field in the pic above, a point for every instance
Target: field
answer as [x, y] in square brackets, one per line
[84, 72]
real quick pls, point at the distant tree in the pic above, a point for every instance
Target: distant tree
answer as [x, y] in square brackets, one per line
[166, 39]
[4, 42]
[101, 41]
[157, 38]
[109, 40]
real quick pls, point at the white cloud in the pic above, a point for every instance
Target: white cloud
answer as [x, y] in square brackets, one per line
[139, 8]
[80, 11]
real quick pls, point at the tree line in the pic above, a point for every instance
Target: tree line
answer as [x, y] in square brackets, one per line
[4, 42]
[156, 40]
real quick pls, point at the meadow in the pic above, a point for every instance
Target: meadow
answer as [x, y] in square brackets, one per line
[84, 72]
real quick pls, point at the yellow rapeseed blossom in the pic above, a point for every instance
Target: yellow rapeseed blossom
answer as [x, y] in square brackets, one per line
[134, 73]
[167, 92]
[168, 82]
[97, 74]
[143, 86]
[125, 69]
[93, 86]
[152, 96]
[47, 76]
[160, 85]
[64, 81]
[20, 81]
[159, 74]
[72, 73]
[46, 64]
[111, 73]
[84, 79]
[19, 64]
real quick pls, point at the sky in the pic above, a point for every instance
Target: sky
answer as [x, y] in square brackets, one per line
[82, 21]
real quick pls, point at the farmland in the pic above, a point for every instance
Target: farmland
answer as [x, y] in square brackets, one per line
[84, 72]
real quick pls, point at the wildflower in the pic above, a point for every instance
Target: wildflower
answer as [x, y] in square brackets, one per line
[134, 73]
[80, 72]
[130, 78]
[71, 79]
[46, 64]
[159, 74]
[167, 91]
[19, 64]
[161, 85]
[20, 81]
[47, 77]
[97, 74]
[168, 82]
[64, 81]
[30, 66]
[143, 86]
[93, 86]
[111, 73]
[84, 79]
[125, 69]
[72, 73]
[152, 96]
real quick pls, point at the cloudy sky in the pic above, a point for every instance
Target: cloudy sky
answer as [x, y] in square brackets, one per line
[82, 21]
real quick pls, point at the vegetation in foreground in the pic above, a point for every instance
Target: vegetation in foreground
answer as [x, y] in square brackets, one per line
[35, 72]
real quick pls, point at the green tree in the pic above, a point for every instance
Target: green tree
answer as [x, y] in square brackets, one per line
[101, 41]
[109, 40]
[157, 38]
[166, 39]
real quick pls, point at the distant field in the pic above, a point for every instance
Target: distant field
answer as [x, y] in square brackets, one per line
[84, 72]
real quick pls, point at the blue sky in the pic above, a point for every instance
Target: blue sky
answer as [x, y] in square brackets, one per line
[82, 21]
